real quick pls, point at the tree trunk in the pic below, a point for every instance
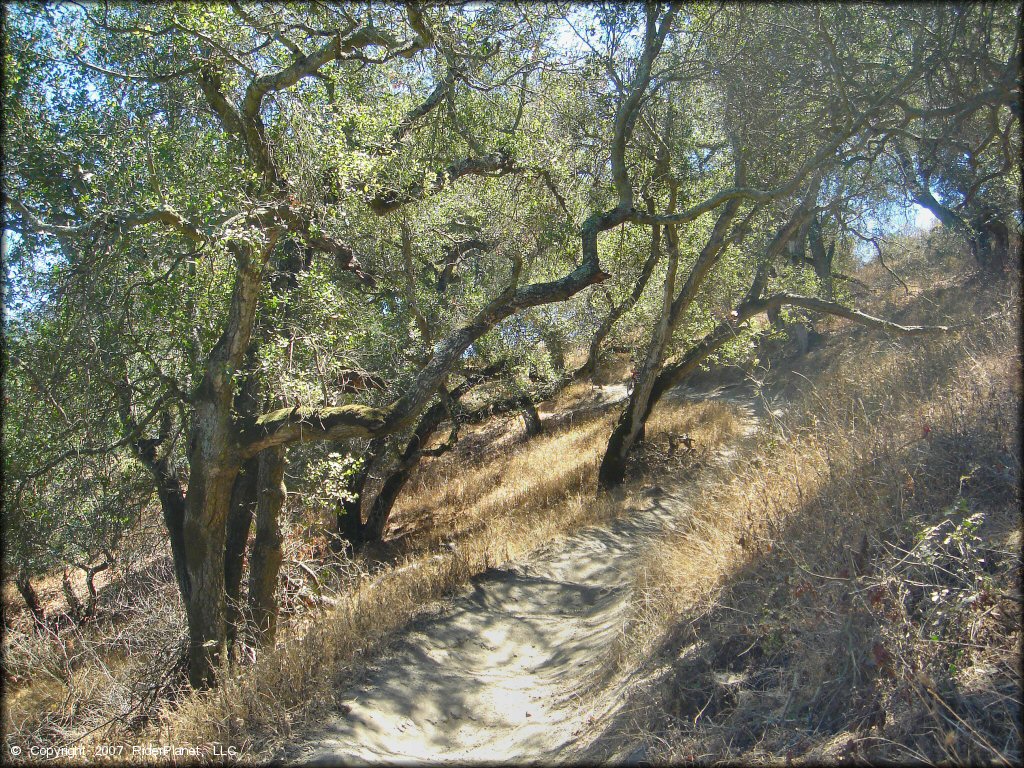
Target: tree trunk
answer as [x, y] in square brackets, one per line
[205, 532]
[990, 244]
[350, 509]
[28, 594]
[986, 234]
[531, 419]
[214, 462]
[630, 428]
[267, 552]
[172, 505]
[380, 512]
[246, 488]
[243, 501]
[821, 257]
[75, 608]
[168, 487]
[90, 585]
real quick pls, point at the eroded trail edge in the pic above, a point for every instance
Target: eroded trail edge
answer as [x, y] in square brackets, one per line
[515, 666]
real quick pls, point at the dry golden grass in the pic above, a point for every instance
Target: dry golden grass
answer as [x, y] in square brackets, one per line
[499, 509]
[571, 396]
[852, 589]
[459, 516]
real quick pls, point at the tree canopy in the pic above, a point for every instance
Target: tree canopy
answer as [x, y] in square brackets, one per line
[243, 234]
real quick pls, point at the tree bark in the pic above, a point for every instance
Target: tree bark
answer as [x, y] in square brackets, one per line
[90, 585]
[821, 257]
[531, 419]
[380, 511]
[267, 552]
[211, 481]
[172, 506]
[28, 593]
[75, 608]
[214, 462]
[246, 488]
[243, 502]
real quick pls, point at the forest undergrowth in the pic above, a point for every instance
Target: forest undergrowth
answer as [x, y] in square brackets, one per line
[118, 680]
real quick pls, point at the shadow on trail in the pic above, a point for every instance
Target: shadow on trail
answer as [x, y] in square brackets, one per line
[507, 669]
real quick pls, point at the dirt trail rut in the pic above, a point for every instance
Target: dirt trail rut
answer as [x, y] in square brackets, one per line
[512, 668]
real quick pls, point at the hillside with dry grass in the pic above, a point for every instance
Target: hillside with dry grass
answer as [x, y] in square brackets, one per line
[495, 498]
[851, 591]
[519, 381]
[845, 587]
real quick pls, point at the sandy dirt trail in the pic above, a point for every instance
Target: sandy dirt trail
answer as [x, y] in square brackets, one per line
[513, 668]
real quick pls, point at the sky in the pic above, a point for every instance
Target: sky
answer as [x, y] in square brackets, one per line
[924, 219]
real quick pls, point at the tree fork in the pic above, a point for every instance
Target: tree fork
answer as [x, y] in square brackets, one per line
[350, 509]
[430, 421]
[589, 367]
[214, 462]
[727, 329]
[631, 426]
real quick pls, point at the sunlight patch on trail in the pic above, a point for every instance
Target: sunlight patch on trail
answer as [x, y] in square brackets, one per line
[516, 665]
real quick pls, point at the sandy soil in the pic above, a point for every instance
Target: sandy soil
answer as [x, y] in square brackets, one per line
[517, 667]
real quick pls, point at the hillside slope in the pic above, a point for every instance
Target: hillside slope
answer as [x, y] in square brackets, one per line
[845, 586]
[851, 590]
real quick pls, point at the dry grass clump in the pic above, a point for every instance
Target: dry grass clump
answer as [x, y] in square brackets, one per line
[67, 679]
[571, 396]
[461, 513]
[708, 423]
[852, 590]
